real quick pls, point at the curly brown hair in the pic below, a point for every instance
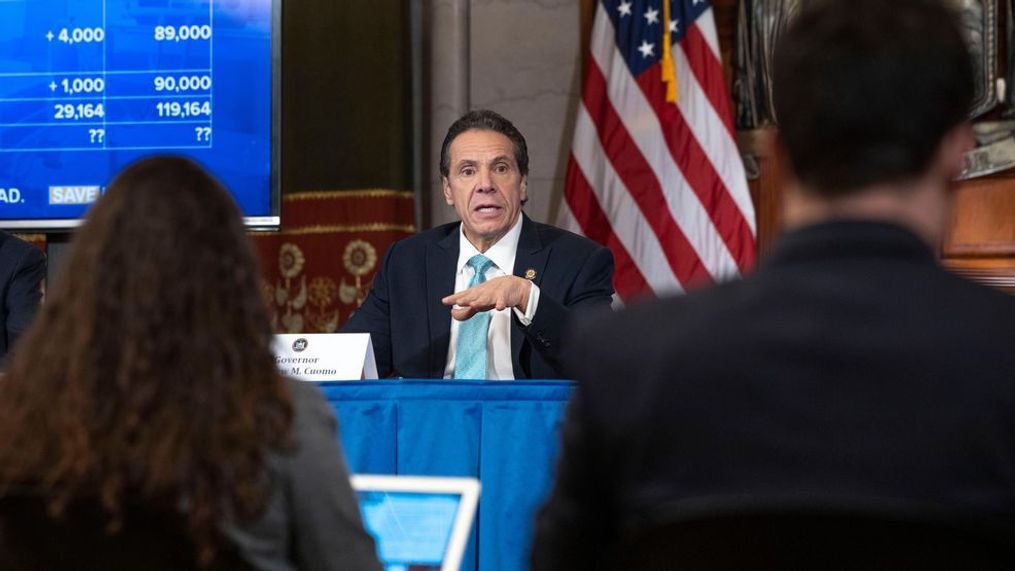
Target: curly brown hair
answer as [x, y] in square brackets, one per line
[148, 373]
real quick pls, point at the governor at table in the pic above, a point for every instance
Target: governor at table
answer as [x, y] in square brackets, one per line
[489, 296]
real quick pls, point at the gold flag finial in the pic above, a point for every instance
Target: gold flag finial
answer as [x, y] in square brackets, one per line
[669, 76]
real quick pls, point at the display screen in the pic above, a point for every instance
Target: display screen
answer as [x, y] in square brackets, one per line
[412, 530]
[89, 86]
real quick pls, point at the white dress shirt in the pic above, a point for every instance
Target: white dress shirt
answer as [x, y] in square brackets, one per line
[498, 340]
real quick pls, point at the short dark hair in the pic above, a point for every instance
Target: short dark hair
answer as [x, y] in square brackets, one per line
[486, 120]
[865, 90]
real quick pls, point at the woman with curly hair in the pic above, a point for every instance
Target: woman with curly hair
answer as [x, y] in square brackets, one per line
[147, 378]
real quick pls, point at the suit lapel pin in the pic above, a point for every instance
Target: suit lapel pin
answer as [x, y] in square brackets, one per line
[530, 274]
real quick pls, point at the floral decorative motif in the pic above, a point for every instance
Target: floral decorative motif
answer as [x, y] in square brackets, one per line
[293, 323]
[322, 291]
[267, 292]
[319, 268]
[348, 293]
[290, 260]
[291, 294]
[359, 258]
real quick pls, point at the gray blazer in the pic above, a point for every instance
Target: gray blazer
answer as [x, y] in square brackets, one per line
[313, 518]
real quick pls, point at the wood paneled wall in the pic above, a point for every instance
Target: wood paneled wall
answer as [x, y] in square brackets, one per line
[980, 242]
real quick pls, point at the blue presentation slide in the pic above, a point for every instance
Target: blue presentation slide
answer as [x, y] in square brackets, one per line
[89, 86]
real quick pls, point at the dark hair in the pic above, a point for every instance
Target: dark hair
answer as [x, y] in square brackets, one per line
[486, 120]
[865, 90]
[148, 375]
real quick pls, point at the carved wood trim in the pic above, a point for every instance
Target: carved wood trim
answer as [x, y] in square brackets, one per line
[1000, 278]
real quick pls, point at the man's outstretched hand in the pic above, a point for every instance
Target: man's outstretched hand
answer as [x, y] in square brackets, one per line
[498, 293]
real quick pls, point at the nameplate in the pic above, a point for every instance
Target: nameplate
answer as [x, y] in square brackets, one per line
[325, 356]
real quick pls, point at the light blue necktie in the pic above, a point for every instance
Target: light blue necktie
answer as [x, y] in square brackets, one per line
[470, 350]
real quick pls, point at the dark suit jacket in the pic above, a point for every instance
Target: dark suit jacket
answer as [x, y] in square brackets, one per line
[851, 368]
[411, 328]
[22, 268]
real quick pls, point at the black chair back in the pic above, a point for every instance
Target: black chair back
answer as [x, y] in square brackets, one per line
[149, 540]
[810, 539]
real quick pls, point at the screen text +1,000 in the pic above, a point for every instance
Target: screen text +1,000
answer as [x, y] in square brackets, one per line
[94, 96]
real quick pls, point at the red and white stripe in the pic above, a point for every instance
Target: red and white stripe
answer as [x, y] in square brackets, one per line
[660, 184]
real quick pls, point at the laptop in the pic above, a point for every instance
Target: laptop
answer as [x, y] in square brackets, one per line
[419, 523]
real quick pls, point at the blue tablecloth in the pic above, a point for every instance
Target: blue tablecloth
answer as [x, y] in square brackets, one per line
[504, 433]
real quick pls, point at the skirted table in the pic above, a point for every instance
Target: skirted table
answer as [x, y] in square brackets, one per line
[506, 433]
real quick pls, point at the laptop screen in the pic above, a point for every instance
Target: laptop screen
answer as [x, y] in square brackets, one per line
[412, 529]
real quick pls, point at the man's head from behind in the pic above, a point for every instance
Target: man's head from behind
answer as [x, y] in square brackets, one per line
[867, 91]
[484, 170]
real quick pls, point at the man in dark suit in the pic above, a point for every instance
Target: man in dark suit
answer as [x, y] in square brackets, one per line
[22, 269]
[851, 369]
[487, 297]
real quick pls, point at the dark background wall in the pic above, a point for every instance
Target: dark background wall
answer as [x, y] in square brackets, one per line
[346, 95]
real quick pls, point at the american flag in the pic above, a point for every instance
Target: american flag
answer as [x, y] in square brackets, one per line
[656, 177]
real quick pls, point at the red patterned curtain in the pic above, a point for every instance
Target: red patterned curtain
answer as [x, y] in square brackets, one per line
[318, 268]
